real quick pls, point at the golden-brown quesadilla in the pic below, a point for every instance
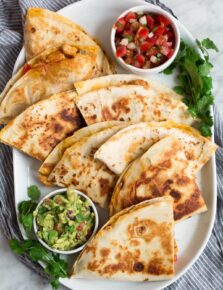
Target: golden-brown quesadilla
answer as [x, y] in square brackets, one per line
[54, 157]
[44, 29]
[163, 170]
[53, 71]
[137, 244]
[43, 125]
[79, 169]
[131, 142]
[83, 87]
[130, 102]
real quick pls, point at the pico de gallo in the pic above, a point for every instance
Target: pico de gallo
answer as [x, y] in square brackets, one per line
[144, 40]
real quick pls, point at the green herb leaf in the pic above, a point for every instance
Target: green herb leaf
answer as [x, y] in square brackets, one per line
[209, 44]
[33, 192]
[55, 267]
[169, 69]
[205, 130]
[195, 83]
[26, 209]
[26, 221]
[16, 247]
[179, 90]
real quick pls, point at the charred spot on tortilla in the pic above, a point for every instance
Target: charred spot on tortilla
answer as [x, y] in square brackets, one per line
[105, 188]
[175, 194]
[192, 204]
[138, 267]
[105, 252]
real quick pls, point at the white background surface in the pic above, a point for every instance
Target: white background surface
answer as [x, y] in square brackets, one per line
[203, 18]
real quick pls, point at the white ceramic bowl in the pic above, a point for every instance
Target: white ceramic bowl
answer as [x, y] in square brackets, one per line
[75, 250]
[156, 10]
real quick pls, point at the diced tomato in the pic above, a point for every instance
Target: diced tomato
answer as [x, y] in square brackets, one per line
[152, 40]
[159, 31]
[161, 40]
[165, 50]
[130, 15]
[120, 25]
[80, 226]
[170, 35]
[140, 58]
[143, 33]
[162, 19]
[121, 51]
[150, 21]
[170, 53]
[136, 63]
[175, 258]
[147, 45]
[144, 46]
[152, 51]
[169, 44]
[26, 68]
[128, 26]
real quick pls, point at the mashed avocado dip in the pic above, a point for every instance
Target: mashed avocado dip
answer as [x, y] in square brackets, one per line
[65, 221]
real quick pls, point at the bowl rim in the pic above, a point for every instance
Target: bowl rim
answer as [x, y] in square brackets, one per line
[147, 8]
[78, 249]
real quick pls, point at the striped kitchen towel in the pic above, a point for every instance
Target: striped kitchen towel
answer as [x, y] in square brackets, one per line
[207, 272]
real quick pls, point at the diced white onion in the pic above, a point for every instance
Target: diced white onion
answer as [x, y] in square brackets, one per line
[124, 41]
[132, 20]
[165, 37]
[138, 50]
[143, 20]
[151, 34]
[131, 45]
[169, 44]
[153, 59]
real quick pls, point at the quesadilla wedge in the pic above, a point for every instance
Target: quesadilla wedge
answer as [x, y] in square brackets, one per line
[137, 244]
[162, 171]
[54, 157]
[51, 72]
[79, 169]
[131, 103]
[43, 125]
[44, 29]
[83, 87]
[131, 142]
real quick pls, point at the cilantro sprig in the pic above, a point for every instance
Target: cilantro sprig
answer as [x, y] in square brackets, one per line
[27, 207]
[54, 266]
[195, 82]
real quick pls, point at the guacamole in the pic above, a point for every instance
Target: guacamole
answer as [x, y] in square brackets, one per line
[65, 221]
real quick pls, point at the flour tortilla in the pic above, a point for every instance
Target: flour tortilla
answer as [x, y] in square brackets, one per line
[79, 169]
[43, 125]
[131, 142]
[129, 102]
[137, 244]
[83, 87]
[163, 170]
[53, 71]
[54, 157]
[44, 29]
